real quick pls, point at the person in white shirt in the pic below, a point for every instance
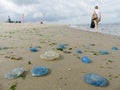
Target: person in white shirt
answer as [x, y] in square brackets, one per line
[96, 17]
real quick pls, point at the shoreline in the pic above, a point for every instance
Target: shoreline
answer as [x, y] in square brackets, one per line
[103, 28]
[67, 72]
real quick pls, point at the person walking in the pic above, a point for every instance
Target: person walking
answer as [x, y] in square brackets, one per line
[96, 17]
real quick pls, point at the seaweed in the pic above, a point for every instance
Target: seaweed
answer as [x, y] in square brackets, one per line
[13, 87]
[29, 63]
[23, 76]
[110, 61]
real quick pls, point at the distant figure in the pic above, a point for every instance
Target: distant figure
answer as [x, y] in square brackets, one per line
[96, 17]
[9, 19]
[41, 22]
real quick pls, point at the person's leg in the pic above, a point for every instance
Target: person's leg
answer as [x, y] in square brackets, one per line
[96, 26]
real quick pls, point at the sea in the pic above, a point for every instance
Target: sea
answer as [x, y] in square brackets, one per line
[111, 29]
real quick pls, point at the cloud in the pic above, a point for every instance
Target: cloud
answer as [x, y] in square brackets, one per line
[25, 2]
[62, 9]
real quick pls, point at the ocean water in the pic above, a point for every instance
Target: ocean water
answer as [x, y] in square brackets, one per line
[111, 29]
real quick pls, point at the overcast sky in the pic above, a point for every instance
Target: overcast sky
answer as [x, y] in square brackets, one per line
[59, 11]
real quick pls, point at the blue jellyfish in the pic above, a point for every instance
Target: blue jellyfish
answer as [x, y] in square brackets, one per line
[85, 59]
[95, 80]
[39, 71]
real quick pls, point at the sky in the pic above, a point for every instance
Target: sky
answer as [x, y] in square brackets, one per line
[59, 11]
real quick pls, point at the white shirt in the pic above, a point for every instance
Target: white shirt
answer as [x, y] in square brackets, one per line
[98, 13]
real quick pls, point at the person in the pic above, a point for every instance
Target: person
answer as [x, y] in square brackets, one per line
[96, 17]
[41, 22]
[9, 20]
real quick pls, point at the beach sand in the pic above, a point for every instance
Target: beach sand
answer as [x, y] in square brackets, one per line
[65, 73]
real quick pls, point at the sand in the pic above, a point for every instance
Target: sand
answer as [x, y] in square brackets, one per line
[65, 73]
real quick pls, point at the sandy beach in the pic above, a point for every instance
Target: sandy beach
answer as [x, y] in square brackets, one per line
[65, 73]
